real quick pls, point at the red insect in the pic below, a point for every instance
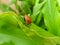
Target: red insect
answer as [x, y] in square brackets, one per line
[27, 19]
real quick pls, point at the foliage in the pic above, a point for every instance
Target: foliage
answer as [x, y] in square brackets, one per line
[45, 26]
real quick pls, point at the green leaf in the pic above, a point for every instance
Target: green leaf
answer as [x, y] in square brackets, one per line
[11, 31]
[39, 18]
[58, 2]
[5, 38]
[10, 43]
[50, 15]
[9, 22]
[36, 10]
[49, 42]
[37, 1]
[46, 37]
[43, 33]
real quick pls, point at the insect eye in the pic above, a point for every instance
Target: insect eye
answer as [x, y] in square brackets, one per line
[27, 19]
